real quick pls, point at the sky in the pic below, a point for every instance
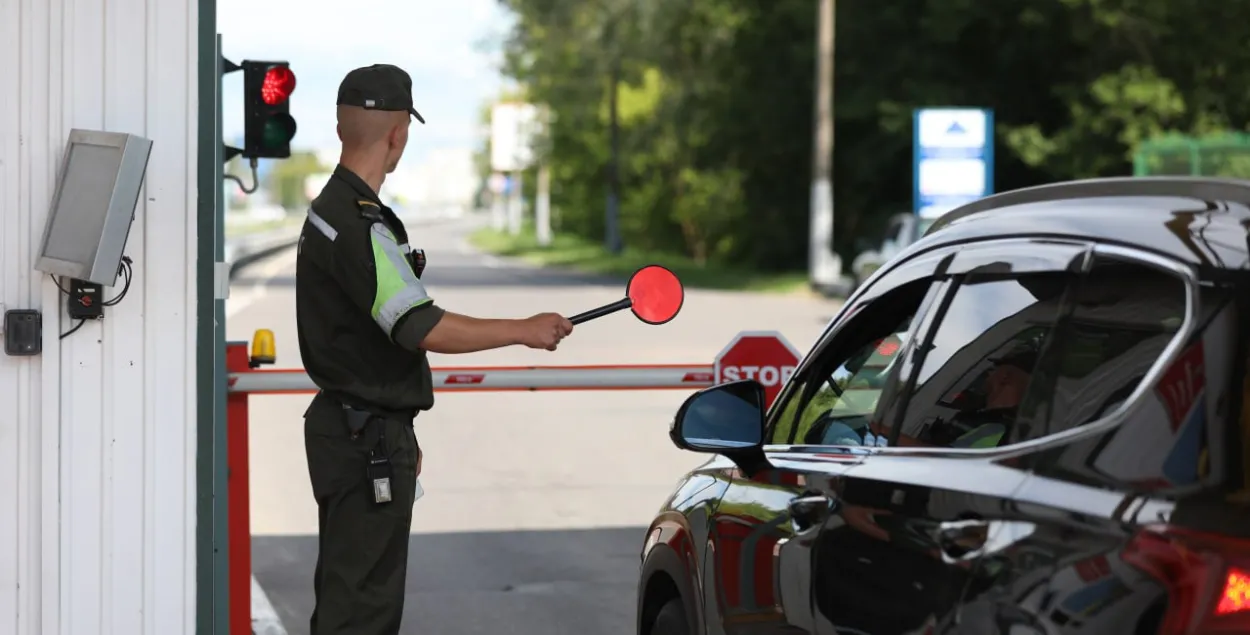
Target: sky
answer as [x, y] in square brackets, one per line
[439, 42]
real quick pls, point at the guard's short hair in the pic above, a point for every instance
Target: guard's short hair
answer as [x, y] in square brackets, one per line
[360, 127]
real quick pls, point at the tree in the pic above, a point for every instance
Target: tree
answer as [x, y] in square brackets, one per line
[285, 180]
[715, 103]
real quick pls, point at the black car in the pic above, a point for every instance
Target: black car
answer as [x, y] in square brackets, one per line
[1032, 421]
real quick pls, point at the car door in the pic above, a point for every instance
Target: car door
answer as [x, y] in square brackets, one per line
[925, 504]
[764, 528]
[1108, 459]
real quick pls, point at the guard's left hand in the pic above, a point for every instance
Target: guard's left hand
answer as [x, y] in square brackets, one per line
[420, 455]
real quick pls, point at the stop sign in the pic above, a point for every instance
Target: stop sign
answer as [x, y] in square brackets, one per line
[764, 356]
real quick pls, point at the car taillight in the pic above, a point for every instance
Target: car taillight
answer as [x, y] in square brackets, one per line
[1207, 578]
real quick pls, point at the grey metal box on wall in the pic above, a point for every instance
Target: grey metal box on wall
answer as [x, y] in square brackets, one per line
[93, 207]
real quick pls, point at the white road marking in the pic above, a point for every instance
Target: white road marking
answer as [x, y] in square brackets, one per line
[265, 620]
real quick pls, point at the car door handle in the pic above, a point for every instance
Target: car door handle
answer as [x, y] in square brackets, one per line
[964, 540]
[809, 509]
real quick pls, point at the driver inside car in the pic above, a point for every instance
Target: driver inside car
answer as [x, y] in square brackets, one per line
[1005, 385]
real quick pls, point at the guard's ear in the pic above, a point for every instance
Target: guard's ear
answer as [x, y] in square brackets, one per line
[399, 133]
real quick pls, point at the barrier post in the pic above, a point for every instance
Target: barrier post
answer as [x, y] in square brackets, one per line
[238, 502]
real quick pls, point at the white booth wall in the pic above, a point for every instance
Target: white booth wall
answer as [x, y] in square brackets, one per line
[97, 434]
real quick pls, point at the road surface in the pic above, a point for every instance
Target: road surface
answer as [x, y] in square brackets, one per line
[535, 503]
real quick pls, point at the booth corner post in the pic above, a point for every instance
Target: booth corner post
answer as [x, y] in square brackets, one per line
[211, 566]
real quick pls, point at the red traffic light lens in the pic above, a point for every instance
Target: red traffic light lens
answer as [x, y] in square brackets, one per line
[278, 85]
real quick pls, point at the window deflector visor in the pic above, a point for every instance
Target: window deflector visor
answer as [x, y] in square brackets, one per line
[1011, 258]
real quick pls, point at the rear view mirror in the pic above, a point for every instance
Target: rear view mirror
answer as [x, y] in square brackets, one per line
[723, 419]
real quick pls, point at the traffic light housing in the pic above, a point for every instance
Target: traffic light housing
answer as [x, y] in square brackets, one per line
[267, 125]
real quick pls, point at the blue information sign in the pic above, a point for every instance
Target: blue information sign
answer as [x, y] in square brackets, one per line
[953, 158]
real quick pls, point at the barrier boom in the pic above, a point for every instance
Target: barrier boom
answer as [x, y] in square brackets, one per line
[764, 356]
[505, 378]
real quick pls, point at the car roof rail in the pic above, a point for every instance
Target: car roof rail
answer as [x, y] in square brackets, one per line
[1202, 187]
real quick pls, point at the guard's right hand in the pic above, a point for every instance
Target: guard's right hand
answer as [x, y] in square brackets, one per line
[545, 330]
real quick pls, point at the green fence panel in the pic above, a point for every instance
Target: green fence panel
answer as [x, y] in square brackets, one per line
[1223, 155]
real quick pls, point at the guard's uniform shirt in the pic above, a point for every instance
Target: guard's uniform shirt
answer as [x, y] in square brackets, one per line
[354, 286]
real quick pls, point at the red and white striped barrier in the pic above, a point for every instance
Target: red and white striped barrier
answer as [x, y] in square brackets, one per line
[765, 356]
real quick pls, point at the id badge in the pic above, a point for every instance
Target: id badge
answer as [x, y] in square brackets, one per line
[380, 479]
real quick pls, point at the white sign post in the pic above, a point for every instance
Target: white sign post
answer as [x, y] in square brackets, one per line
[542, 206]
[498, 187]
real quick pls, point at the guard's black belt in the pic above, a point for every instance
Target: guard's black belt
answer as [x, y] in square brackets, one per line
[373, 409]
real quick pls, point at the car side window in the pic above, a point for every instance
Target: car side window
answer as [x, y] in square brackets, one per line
[981, 359]
[1123, 316]
[835, 401]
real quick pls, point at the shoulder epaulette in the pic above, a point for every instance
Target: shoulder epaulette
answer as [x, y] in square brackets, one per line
[369, 209]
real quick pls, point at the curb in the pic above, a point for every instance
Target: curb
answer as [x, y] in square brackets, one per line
[265, 620]
[246, 250]
[260, 254]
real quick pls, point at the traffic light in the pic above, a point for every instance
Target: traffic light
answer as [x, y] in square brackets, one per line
[267, 123]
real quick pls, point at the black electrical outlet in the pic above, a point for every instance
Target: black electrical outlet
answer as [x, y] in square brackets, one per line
[23, 332]
[86, 300]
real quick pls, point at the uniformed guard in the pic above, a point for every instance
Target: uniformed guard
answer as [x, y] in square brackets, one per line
[365, 323]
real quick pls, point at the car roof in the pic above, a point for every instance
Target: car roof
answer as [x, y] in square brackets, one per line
[1201, 221]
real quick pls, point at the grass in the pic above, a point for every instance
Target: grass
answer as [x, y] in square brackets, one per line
[582, 255]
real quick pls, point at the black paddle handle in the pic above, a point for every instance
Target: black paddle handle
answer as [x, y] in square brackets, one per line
[623, 303]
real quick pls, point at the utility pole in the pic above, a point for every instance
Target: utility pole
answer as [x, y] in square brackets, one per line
[612, 216]
[823, 265]
[611, 224]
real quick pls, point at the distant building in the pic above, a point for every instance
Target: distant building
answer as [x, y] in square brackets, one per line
[445, 180]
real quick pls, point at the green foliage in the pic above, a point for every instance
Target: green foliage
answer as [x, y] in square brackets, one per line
[716, 103]
[285, 182]
[574, 252]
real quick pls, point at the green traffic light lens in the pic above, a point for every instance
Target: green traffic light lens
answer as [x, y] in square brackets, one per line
[279, 129]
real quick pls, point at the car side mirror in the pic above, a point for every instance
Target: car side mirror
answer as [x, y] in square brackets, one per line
[723, 419]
